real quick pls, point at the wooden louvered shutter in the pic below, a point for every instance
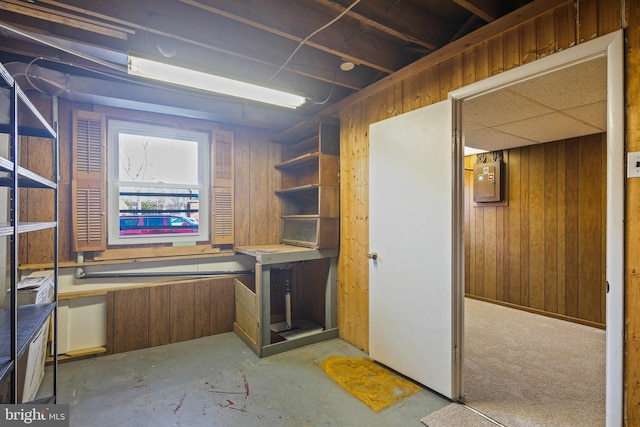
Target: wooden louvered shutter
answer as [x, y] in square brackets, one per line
[88, 181]
[222, 192]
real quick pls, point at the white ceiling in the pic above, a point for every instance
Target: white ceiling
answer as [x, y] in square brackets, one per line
[567, 103]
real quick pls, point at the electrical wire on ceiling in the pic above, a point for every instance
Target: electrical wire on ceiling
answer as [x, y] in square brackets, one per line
[302, 42]
[333, 85]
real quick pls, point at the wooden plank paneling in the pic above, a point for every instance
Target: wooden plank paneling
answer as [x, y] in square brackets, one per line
[160, 314]
[590, 193]
[309, 283]
[482, 61]
[496, 55]
[259, 193]
[537, 261]
[546, 41]
[551, 228]
[468, 176]
[501, 271]
[490, 266]
[479, 251]
[528, 42]
[159, 321]
[432, 85]
[246, 316]
[110, 323]
[565, 27]
[182, 312]
[511, 49]
[468, 67]
[537, 179]
[514, 224]
[588, 19]
[525, 225]
[561, 224]
[222, 310]
[609, 18]
[242, 182]
[130, 320]
[571, 229]
[275, 157]
[202, 309]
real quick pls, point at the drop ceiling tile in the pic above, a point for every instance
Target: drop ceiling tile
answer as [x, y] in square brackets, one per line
[593, 114]
[581, 84]
[551, 127]
[492, 140]
[500, 107]
[470, 127]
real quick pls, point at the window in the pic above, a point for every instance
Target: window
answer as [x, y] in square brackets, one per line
[158, 184]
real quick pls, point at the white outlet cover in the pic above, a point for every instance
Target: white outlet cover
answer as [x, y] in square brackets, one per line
[633, 164]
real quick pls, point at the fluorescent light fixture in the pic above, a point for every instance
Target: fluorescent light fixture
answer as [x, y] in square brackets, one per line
[210, 82]
[470, 150]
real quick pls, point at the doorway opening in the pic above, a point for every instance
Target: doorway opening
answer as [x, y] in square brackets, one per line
[552, 103]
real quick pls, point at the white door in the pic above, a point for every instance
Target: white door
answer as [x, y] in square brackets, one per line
[414, 322]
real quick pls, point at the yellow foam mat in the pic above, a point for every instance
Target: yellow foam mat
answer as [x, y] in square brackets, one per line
[369, 382]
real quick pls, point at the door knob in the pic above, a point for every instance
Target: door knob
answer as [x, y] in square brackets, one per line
[372, 255]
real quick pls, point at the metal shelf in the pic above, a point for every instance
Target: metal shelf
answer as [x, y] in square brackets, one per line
[26, 178]
[30, 318]
[25, 227]
[19, 325]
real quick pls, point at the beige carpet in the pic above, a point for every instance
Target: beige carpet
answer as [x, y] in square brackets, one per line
[523, 369]
[456, 415]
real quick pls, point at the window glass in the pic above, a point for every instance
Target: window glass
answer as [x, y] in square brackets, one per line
[158, 178]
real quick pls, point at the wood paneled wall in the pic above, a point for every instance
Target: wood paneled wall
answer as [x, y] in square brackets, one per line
[545, 249]
[541, 29]
[154, 315]
[308, 282]
[257, 207]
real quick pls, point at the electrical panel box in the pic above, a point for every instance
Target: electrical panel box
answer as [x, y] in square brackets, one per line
[487, 183]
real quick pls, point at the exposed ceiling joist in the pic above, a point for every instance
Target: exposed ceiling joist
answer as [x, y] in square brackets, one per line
[485, 9]
[47, 14]
[343, 40]
[292, 45]
[375, 19]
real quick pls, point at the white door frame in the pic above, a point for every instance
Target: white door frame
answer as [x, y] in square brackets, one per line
[611, 46]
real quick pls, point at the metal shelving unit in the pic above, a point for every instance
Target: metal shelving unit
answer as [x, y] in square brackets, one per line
[20, 324]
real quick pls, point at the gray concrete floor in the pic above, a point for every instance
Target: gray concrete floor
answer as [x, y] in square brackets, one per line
[219, 381]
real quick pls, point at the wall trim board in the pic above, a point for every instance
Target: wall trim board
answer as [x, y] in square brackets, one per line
[540, 312]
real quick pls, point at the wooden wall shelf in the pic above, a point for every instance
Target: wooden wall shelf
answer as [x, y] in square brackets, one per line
[309, 181]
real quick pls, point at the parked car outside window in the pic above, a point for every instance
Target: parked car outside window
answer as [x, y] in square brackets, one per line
[156, 224]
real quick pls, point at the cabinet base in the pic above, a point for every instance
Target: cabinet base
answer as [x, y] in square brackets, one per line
[280, 347]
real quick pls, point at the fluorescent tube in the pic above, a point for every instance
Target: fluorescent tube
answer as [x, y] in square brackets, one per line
[470, 150]
[210, 82]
